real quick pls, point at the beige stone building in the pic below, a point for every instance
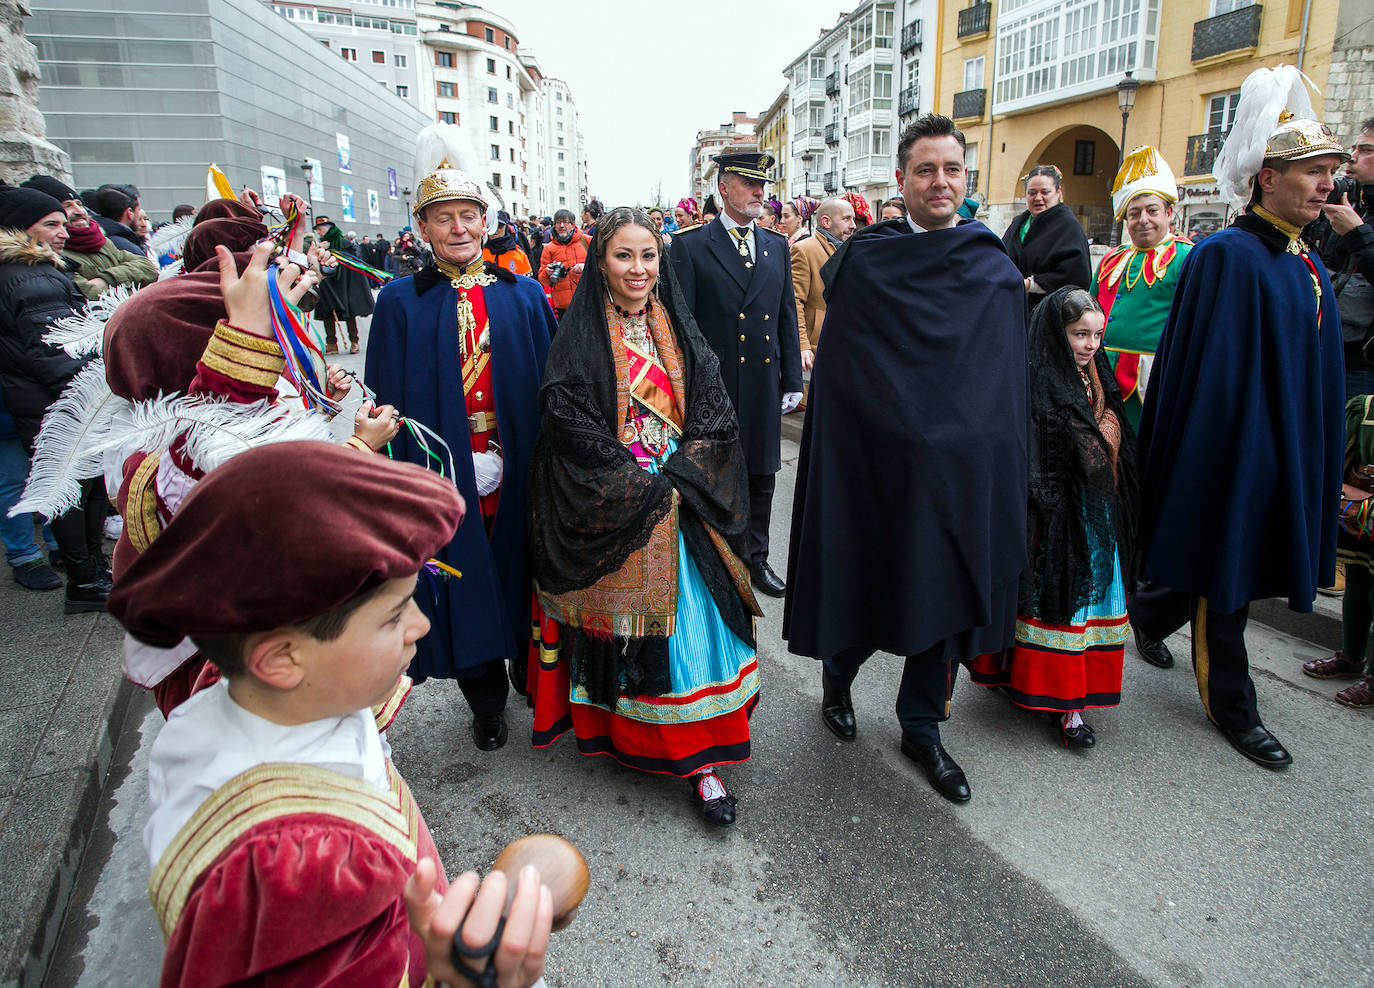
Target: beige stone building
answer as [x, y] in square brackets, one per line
[772, 131]
[1036, 82]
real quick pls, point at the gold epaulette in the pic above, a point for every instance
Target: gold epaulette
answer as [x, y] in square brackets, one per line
[686, 229]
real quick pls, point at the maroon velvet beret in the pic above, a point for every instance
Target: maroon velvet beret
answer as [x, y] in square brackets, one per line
[282, 534]
[153, 341]
[238, 232]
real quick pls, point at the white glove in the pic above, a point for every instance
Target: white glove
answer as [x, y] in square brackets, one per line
[790, 401]
[488, 467]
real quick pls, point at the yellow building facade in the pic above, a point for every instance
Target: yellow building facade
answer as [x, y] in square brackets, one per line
[1190, 57]
[772, 137]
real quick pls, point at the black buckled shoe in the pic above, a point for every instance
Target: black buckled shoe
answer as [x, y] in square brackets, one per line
[944, 773]
[716, 804]
[837, 710]
[1081, 736]
[766, 581]
[1154, 652]
[490, 733]
[1258, 745]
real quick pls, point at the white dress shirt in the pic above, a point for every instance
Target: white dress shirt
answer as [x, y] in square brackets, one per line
[730, 224]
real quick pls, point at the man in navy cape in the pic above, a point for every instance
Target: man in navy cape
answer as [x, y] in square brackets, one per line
[909, 520]
[1242, 433]
[459, 347]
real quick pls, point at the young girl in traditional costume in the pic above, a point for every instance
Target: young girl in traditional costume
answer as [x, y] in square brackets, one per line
[1071, 630]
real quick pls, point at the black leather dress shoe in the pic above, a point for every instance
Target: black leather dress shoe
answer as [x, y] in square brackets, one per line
[766, 581]
[491, 733]
[944, 772]
[718, 810]
[1154, 652]
[1258, 745]
[837, 711]
[1081, 736]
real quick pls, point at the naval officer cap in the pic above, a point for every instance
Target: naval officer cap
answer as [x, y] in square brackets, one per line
[746, 164]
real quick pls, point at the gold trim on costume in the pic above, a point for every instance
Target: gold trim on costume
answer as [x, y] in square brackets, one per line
[246, 341]
[385, 712]
[1202, 660]
[140, 510]
[239, 372]
[265, 793]
[358, 444]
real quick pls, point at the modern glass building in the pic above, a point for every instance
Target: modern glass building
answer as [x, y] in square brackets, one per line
[150, 92]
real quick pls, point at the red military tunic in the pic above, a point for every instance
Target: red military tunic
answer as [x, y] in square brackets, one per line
[477, 389]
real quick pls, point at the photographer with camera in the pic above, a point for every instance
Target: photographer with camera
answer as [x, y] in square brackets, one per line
[1344, 235]
[560, 264]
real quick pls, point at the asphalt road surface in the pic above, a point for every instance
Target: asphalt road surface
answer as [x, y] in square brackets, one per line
[1159, 857]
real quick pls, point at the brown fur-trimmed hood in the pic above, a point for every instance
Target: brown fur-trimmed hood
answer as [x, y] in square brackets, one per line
[20, 248]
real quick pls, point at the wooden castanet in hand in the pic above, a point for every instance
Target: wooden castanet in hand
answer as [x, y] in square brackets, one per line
[561, 867]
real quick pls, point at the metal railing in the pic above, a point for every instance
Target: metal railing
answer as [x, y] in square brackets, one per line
[1202, 153]
[832, 135]
[911, 36]
[970, 103]
[975, 19]
[909, 100]
[1231, 31]
[829, 183]
[832, 83]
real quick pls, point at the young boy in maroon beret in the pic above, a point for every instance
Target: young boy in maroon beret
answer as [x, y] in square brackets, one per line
[281, 837]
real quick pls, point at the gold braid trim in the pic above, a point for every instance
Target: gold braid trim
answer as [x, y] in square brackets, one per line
[464, 277]
[231, 368]
[140, 510]
[246, 341]
[265, 793]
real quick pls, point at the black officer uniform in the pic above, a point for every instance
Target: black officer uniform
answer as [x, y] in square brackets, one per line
[745, 307]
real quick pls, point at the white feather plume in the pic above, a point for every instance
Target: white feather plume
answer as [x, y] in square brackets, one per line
[69, 445]
[83, 333]
[1264, 95]
[171, 270]
[442, 142]
[214, 430]
[172, 237]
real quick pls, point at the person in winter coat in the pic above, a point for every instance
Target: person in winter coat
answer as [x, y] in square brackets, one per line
[35, 291]
[96, 264]
[344, 295]
[503, 248]
[568, 249]
[1045, 241]
[121, 216]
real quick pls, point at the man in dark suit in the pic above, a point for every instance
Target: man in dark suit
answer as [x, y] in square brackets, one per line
[736, 278]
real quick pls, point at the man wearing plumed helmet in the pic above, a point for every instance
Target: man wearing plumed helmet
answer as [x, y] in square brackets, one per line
[1242, 433]
[460, 347]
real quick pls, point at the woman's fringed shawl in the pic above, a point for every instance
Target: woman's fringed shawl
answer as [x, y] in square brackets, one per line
[1083, 481]
[603, 530]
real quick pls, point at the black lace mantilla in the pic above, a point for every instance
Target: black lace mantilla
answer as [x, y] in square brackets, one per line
[1079, 511]
[591, 504]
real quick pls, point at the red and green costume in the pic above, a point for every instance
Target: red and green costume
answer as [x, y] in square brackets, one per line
[1135, 288]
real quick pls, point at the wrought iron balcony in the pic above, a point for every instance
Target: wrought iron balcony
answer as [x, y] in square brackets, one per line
[971, 181]
[1202, 153]
[832, 133]
[830, 184]
[911, 37]
[970, 103]
[832, 83]
[908, 101]
[1234, 31]
[975, 19]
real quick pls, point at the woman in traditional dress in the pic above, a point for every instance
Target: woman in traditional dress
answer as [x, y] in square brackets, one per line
[639, 520]
[1045, 240]
[795, 223]
[1072, 627]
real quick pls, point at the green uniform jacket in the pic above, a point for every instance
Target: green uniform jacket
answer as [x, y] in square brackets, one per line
[114, 266]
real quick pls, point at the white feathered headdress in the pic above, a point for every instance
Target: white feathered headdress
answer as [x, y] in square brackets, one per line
[1267, 98]
[444, 171]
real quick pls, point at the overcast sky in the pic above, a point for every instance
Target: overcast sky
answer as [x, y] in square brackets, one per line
[648, 74]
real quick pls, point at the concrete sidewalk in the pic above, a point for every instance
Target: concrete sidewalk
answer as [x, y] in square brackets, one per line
[62, 704]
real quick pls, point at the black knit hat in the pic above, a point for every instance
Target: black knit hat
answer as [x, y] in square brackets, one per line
[21, 208]
[54, 187]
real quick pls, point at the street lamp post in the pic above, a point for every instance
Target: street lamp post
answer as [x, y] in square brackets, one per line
[806, 173]
[405, 192]
[1125, 99]
[308, 171]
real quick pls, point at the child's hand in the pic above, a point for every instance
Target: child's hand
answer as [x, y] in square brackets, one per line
[519, 957]
[339, 382]
[376, 426]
